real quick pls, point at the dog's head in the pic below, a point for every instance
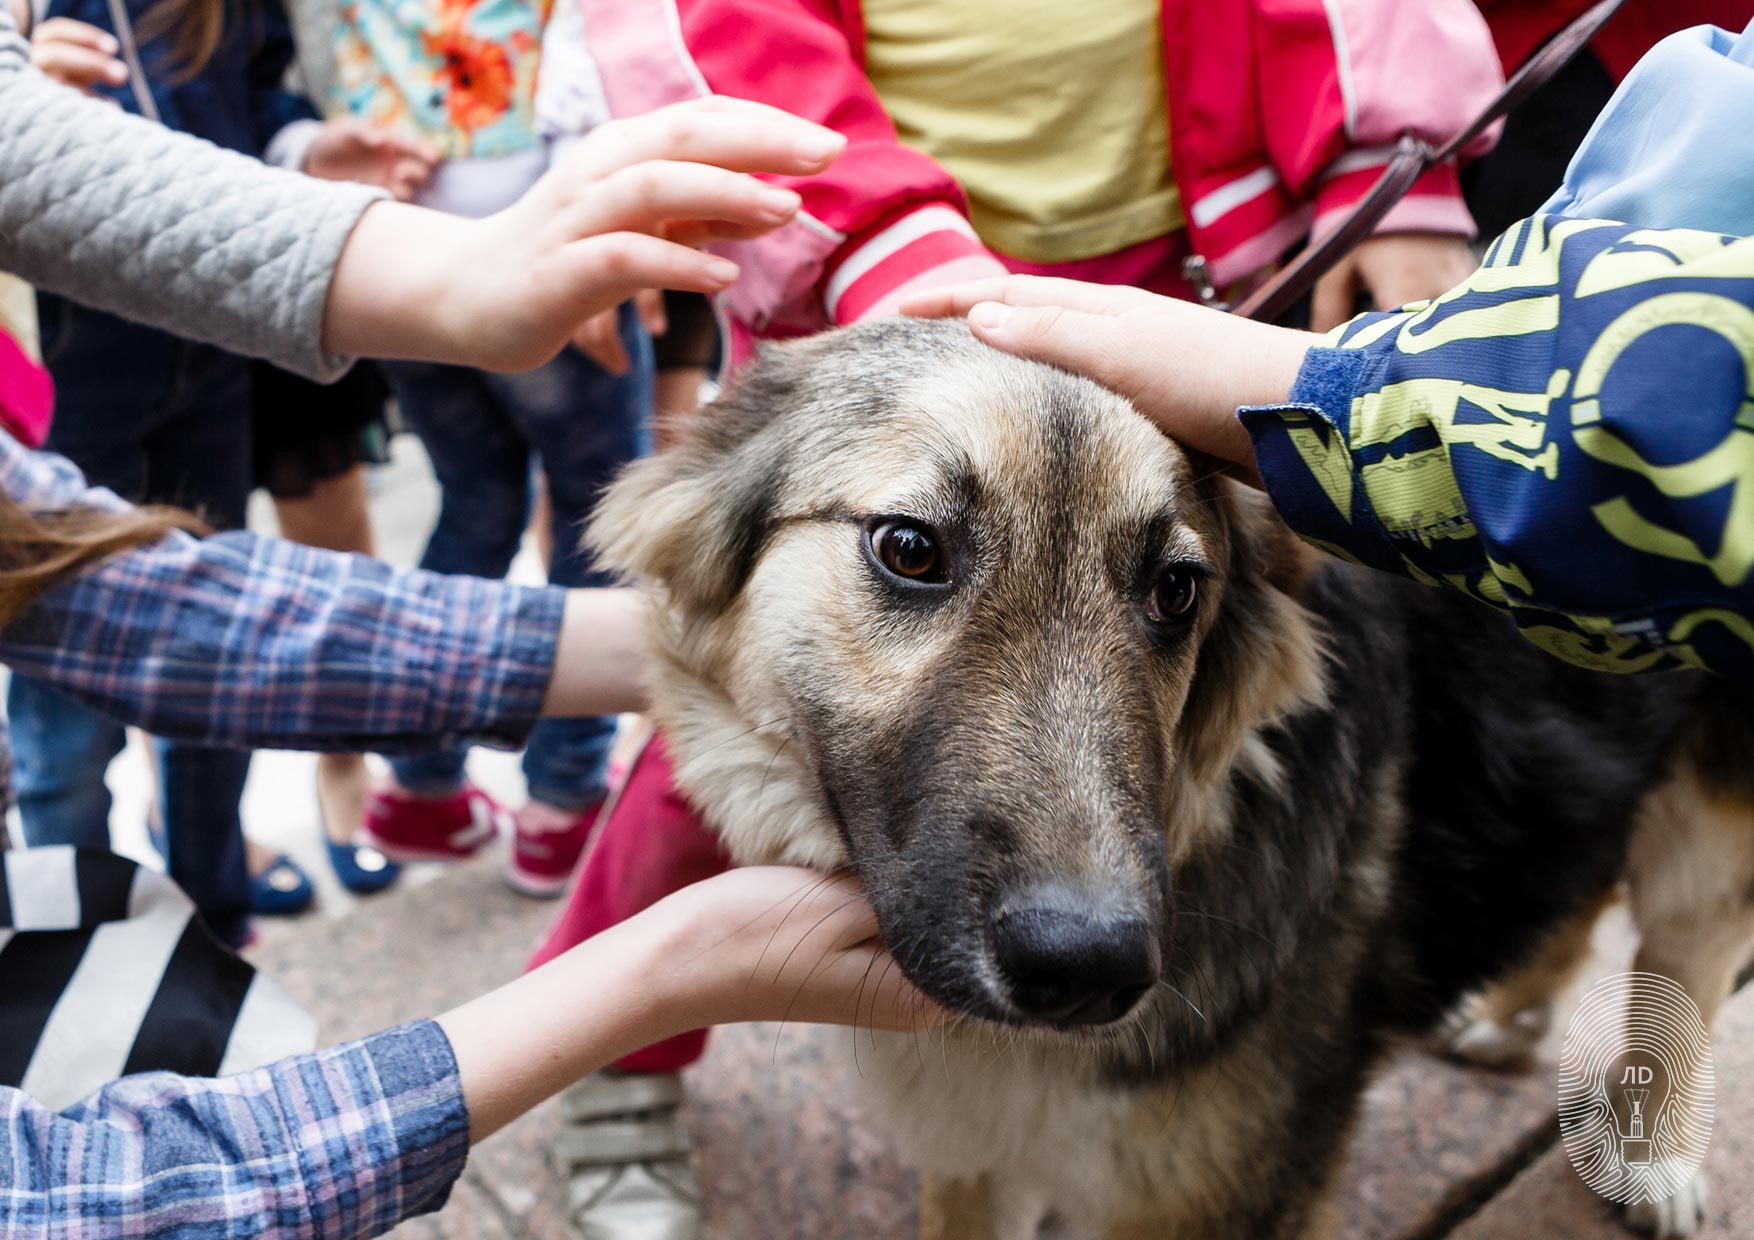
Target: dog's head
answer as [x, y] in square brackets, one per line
[974, 626]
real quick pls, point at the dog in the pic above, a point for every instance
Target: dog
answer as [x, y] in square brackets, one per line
[1185, 822]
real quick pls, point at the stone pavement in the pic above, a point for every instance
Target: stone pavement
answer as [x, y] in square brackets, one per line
[785, 1152]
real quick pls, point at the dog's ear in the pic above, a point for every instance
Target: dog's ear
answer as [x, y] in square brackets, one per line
[692, 519]
[1265, 545]
[1264, 657]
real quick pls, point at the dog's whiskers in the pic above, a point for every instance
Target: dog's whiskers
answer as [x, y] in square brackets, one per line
[1182, 995]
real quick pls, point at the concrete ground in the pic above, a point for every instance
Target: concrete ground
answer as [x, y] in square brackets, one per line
[784, 1149]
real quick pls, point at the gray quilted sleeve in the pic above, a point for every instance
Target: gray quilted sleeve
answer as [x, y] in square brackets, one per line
[126, 216]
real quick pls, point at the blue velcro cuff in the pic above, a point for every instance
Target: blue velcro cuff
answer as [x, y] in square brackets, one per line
[1304, 458]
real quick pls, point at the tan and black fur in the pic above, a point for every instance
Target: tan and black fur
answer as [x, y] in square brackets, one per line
[1317, 810]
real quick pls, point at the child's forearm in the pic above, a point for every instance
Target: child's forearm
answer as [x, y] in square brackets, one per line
[600, 657]
[184, 236]
[389, 297]
[534, 1036]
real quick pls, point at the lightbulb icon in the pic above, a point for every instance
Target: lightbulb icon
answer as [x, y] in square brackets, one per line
[1637, 1096]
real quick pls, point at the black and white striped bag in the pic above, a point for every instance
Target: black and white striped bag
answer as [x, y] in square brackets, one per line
[106, 970]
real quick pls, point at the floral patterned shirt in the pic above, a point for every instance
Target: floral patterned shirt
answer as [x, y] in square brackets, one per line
[460, 73]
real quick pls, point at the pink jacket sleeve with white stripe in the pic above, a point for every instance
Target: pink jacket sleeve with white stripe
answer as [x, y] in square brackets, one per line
[1384, 69]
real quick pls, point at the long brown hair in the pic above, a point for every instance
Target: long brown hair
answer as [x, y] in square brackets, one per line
[40, 550]
[194, 28]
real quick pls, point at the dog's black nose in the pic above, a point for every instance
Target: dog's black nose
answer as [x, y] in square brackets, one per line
[1071, 960]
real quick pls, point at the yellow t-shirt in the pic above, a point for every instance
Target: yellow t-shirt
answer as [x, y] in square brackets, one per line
[18, 314]
[1050, 115]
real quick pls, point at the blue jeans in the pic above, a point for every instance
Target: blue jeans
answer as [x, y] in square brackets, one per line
[159, 420]
[483, 433]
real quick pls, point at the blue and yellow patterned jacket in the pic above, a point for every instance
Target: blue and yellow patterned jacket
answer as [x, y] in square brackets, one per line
[1568, 437]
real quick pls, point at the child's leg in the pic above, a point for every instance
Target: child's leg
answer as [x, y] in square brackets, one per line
[110, 378]
[198, 457]
[60, 750]
[649, 844]
[482, 464]
[200, 790]
[624, 1146]
[585, 425]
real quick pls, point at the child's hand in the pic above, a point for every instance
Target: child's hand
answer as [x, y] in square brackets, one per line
[77, 55]
[1394, 269]
[1185, 367]
[623, 213]
[354, 150]
[599, 337]
[773, 943]
[755, 944]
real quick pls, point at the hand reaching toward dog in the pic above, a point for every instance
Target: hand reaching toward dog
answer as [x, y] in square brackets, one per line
[626, 211]
[765, 943]
[1185, 367]
[776, 943]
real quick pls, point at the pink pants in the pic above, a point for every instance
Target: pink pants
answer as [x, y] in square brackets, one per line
[650, 845]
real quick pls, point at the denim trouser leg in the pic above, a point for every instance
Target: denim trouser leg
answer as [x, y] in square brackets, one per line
[481, 432]
[159, 420]
[482, 464]
[60, 750]
[201, 459]
[198, 795]
[585, 424]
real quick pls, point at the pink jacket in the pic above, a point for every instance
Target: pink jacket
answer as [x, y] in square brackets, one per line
[1281, 114]
[27, 394]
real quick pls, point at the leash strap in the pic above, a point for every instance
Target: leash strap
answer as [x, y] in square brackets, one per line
[1413, 155]
[131, 57]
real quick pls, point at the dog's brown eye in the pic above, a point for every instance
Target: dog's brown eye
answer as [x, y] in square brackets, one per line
[1173, 594]
[907, 551]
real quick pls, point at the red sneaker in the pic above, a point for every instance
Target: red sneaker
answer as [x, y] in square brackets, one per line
[546, 848]
[405, 827]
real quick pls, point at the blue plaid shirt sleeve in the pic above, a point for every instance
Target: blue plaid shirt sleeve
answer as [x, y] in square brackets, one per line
[346, 1142]
[261, 643]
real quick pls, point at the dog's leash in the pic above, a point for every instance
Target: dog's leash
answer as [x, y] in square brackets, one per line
[131, 57]
[1413, 155]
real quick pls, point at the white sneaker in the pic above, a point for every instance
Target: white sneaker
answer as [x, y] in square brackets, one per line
[625, 1154]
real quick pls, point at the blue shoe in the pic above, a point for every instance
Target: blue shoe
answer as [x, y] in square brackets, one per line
[361, 868]
[282, 889]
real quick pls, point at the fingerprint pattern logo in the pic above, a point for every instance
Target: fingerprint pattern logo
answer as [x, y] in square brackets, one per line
[1636, 1089]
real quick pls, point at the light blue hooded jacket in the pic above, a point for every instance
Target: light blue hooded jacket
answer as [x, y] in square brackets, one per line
[1674, 148]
